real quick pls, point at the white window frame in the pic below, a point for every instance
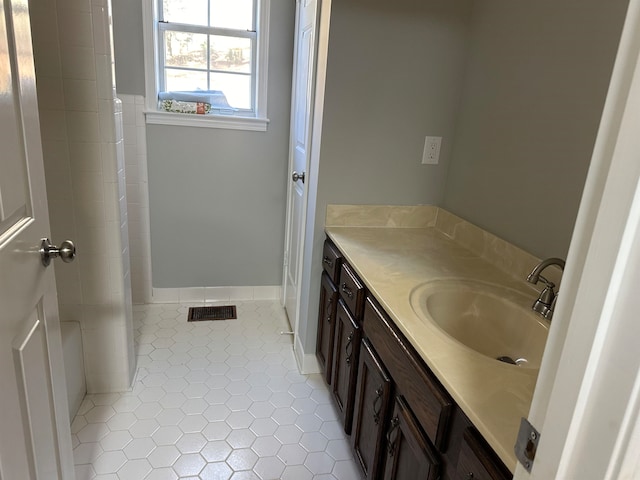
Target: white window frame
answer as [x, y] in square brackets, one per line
[254, 122]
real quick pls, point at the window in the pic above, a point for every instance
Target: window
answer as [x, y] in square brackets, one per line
[206, 62]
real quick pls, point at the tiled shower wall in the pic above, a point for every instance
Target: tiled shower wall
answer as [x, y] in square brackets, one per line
[81, 123]
[135, 150]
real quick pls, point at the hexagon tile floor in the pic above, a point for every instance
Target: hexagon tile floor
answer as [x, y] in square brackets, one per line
[213, 400]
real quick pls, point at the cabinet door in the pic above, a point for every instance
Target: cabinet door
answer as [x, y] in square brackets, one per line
[477, 461]
[410, 455]
[345, 362]
[326, 325]
[373, 391]
[429, 400]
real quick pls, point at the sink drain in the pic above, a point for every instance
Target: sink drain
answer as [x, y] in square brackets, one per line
[509, 360]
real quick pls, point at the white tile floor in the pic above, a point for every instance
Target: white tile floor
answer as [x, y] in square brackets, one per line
[213, 400]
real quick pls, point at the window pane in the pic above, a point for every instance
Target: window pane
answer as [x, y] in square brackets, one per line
[236, 14]
[237, 88]
[184, 80]
[185, 11]
[185, 49]
[230, 54]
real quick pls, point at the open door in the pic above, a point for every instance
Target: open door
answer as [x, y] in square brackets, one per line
[299, 154]
[35, 438]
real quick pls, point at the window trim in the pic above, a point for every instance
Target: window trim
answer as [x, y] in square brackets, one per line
[258, 122]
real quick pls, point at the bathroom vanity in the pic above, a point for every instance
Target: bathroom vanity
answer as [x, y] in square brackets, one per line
[418, 401]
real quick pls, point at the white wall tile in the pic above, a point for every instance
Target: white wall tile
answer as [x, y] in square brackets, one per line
[90, 213]
[50, 92]
[85, 157]
[166, 295]
[78, 62]
[103, 77]
[57, 169]
[241, 293]
[194, 294]
[217, 294]
[77, 5]
[109, 164]
[95, 283]
[101, 38]
[269, 292]
[83, 126]
[107, 121]
[75, 28]
[87, 186]
[82, 178]
[68, 283]
[80, 95]
[53, 125]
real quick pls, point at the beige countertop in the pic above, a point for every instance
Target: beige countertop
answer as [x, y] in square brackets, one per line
[396, 249]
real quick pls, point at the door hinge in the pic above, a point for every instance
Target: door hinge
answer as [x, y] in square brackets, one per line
[526, 444]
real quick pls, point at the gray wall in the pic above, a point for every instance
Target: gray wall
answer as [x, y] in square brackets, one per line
[128, 46]
[535, 86]
[217, 197]
[394, 75]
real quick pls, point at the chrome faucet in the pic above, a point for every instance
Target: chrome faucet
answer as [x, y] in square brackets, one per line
[546, 301]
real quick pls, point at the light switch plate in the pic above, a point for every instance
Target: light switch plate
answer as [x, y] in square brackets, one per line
[431, 153]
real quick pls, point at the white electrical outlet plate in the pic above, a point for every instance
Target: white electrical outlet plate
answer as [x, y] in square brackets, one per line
[431, 153]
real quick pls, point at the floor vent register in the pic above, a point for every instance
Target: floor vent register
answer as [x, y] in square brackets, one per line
[220, 312]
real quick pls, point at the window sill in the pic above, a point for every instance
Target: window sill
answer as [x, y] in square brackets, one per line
[206, 121]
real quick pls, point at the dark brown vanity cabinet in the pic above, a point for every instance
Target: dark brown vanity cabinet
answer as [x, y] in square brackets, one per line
[402, 421]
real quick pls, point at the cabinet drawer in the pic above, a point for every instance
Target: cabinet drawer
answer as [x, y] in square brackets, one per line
[477, 461]
[428, 400]
[351, 290]
[331, 261]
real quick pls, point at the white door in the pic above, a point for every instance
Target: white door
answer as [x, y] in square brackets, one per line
[301, 115]
[35, 442]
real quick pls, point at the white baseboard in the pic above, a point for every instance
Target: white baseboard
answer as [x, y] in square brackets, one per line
[307, 362]
[215, 294]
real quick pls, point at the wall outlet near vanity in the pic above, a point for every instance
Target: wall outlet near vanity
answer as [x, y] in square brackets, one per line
[431, 153]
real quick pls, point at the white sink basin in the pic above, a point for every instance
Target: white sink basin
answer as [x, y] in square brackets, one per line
[495, 321]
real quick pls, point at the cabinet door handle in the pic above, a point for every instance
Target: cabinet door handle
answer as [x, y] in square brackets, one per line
[469, 476]
[329, 303]
[348, 348]
[327, 261]
[391, 444]
[346, 290]
[377, 405]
